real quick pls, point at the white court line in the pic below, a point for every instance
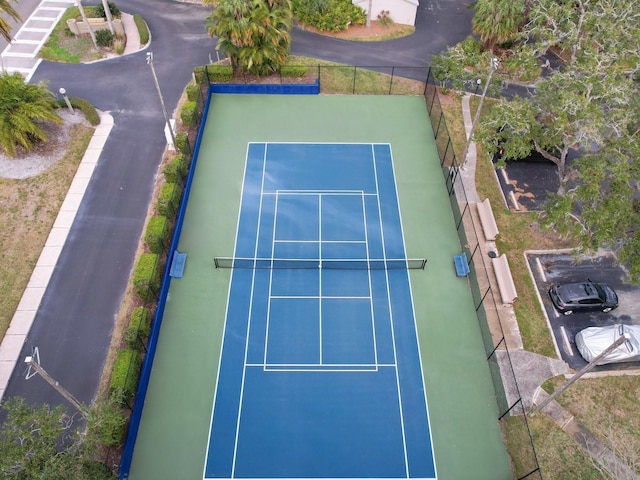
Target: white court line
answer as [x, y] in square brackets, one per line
[320, 277]
[248, 329]
[393, 335]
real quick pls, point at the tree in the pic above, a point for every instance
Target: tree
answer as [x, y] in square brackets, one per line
[5, 28]
[464, 64]
[590, 106]
[254, 34]
[41, 442]
[497, 21]
[23, 108]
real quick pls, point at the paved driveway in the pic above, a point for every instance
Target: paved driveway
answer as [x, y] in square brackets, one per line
[550, 269]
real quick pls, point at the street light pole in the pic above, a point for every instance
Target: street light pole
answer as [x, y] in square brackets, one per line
[63, 92]
[619, 341]
[164, 109]
[34, 363]
[494, 66]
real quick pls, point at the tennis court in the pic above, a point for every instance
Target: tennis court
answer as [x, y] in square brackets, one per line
[320, 364]
[321, 354]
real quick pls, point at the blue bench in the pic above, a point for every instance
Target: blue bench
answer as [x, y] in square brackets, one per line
[177, 264]
[462, 265]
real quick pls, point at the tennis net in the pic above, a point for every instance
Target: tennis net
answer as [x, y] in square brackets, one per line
[326, 263]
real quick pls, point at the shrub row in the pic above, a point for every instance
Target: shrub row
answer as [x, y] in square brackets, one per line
[156, 235]
[147, 274]
[146, 278]
[294, 70]
[139, 327]
[189, 114]
[143, 29]
[125, 373]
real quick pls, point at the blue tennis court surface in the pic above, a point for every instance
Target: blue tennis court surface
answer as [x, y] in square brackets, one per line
[320, 373]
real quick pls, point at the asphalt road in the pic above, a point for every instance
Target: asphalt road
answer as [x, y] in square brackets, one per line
[74, 324]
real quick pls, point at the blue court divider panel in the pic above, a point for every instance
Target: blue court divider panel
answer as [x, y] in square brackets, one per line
[270, 89]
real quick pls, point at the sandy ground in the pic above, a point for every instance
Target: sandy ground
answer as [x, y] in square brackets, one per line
[42, 156]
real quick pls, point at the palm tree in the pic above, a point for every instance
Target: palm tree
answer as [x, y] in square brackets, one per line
[497, 21]
[23, 109]
[253, 33]
[5, 28]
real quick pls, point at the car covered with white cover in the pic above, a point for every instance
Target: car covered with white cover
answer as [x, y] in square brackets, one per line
[592, 341]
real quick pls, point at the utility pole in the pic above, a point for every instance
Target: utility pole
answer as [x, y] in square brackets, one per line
[494, 66]
[34, 363]
[619, 341]
[107, 12]
[86, 22]
[164, 109]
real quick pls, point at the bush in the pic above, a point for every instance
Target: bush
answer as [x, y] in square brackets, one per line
[104, 38]
[125, 374]
[85, 107]
[198, 75]
[139, 327]
[189, 114]
[143, 29]
[193, 91]
[176, 170]
[220, 73]
[294, 70]
[98, 11]
[182, 143]
[329, 15]
[384, 18]
[119, 45]
[106, 423]
[146, 277]
[169, 200]
[156, 234]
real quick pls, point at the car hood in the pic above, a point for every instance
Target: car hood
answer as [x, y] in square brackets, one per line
[592, 341]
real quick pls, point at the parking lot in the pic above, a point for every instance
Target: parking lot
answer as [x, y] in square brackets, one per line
[552, 268]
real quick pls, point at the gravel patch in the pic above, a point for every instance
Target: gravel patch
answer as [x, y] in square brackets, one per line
[42, 156]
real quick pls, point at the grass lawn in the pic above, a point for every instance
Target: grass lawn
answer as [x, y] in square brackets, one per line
[29, 208]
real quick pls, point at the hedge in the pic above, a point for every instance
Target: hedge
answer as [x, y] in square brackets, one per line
[198, 75]
[169, 200]
[143, 29]
[182, 143]
[146, 277]
[192, 90]
[176, 170]
[189, 114]
[220, 73]
[125, 373]
[293, 70]
[90, 113]
[157, 234]
[139, 327]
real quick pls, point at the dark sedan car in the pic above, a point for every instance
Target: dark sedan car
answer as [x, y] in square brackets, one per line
[583, 297]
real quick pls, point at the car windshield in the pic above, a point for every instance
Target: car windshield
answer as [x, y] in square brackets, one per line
[600, 292]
